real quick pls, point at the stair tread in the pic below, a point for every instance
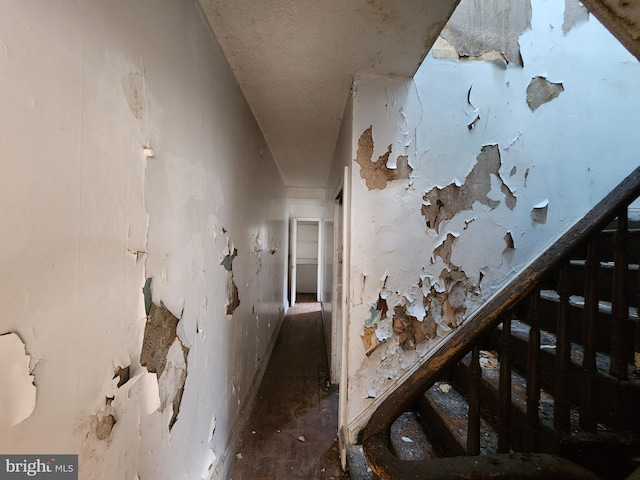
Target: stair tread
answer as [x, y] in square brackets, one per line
[444, 398]
[605, 265]
[409, 440]
[357, 462]
[521, 329]
[578, 301]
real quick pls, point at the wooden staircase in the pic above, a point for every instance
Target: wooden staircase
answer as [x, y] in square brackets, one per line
[543, 381]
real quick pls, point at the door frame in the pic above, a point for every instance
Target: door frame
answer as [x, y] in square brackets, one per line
[293, 246]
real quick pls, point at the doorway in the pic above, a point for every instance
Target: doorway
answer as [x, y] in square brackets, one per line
[306, 259]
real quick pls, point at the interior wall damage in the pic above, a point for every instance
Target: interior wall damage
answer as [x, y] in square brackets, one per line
[500, 161]
[140, 322]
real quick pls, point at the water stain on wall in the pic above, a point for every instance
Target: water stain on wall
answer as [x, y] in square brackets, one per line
[133, 87]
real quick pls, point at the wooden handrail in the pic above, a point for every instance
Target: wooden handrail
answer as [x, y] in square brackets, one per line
[487, 317]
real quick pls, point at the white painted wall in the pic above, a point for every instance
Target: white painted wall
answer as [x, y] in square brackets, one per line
[87, 217]
[568, 154]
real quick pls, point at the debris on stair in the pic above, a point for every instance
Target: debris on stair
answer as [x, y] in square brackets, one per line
[444, 387]
[489, 359]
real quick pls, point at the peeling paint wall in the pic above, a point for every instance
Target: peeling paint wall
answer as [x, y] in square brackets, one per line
[490, 33]
[142, 283]
[497, 168]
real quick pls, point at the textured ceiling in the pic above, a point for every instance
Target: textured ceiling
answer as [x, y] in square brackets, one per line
[295, 60]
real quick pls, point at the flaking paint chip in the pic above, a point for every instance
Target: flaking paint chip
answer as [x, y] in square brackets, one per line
[539, 212]
[444, 387]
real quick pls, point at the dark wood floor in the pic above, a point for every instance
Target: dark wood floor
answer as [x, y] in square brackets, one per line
[292, 430]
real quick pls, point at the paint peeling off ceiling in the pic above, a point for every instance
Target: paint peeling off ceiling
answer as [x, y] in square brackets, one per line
[295, 61]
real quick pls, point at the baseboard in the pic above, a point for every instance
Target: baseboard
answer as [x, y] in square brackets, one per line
[224, 462]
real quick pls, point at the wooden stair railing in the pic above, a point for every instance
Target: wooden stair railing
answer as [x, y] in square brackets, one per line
[386, 465]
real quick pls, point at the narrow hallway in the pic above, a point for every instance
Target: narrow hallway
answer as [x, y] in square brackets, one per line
[292, 430]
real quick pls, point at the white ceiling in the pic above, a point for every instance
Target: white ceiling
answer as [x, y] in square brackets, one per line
[295, 60]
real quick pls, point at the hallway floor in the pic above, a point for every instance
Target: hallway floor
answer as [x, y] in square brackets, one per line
[292, 430]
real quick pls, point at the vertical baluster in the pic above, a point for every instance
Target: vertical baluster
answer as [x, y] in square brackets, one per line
[636, 353]
[563, 355]
[634, 325]
[533, 375]
[473, 428]
[504, 389]
[620, 302]
[588, 380]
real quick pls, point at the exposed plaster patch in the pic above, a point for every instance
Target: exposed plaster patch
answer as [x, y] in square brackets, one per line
[17, 391]
[489, 33]
[432, 308]
[159, 334]
[539, 212]
[164, 354]
[444, 203]
[444, 249]
[377, 174]
[410, 331]
[370, 340]
[541, 91]
[449, 306]
[371, 337]
[105, 423]
[233, 298]
[508, 240]
[574, 12]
